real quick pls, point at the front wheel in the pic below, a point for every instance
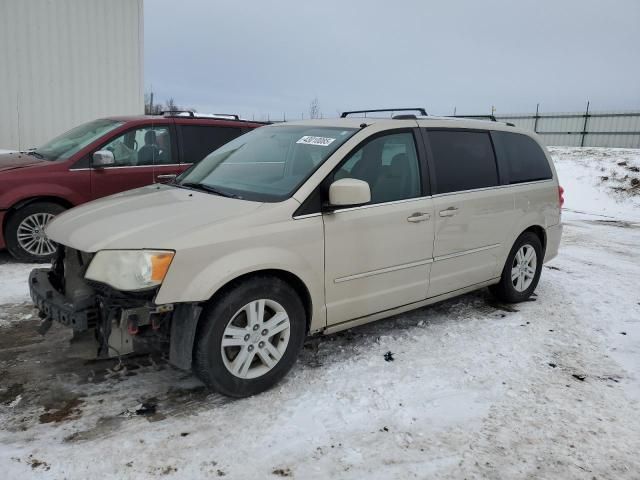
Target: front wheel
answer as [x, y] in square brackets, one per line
[250, 337]
[521, 272]
[24, 233]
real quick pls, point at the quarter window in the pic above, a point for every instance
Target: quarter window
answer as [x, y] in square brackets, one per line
[389, 164]
[198, 141]
[462, 160]
[521, 157]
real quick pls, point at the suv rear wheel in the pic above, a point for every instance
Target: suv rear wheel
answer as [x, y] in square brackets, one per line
[24, 233]
[250, 337]
[521, 272]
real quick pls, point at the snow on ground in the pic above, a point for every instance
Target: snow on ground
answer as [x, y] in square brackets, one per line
[605, 181]
[544, 389]
[13, 288]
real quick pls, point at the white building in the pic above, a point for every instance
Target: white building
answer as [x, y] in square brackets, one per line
[64, 62]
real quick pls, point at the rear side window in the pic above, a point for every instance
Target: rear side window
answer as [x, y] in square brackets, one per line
[198, 141]
[462, 160]
[521, 158]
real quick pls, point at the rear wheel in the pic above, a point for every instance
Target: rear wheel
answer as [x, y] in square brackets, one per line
[250, 337]
[521, 272]
[24, 233]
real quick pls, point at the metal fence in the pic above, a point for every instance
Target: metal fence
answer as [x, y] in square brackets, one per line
[582, 129]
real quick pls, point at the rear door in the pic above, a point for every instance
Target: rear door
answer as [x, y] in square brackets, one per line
[198, 141]
[472, 212]
[378, 256]
[135, 152]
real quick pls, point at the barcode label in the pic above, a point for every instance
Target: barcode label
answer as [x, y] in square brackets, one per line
[310, 140]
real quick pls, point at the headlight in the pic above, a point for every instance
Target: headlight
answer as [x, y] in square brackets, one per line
[130, 269]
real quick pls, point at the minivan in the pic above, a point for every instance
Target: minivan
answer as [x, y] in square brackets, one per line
[304, 228]
[97, 159]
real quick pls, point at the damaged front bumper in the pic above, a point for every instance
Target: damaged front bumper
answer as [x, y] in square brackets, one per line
[123, 323]
[55, 306]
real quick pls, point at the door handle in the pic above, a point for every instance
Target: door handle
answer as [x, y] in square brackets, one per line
[418, 217]
[449, 212]
[169, 176]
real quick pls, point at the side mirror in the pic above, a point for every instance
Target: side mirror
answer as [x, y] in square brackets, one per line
[103, 158]
[349, 192]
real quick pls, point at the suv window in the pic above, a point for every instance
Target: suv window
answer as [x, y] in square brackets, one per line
[389, 164]
[142, 146]
[198, 141]
[521, 157]
[462, 160]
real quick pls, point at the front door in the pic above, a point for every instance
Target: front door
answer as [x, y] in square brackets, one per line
[136, 152]
[472, 215]
[378, 256]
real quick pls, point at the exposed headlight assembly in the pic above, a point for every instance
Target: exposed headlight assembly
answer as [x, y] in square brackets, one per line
[130, 270]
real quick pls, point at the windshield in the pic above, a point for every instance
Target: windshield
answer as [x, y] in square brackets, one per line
[67, 144]
[268, 164]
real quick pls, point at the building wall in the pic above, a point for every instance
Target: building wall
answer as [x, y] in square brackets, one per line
[64, 62]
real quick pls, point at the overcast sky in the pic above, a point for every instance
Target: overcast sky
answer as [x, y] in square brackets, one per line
[273, 57]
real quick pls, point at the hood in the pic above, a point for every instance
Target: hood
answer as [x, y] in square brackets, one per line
[10, 161]
[148, 217]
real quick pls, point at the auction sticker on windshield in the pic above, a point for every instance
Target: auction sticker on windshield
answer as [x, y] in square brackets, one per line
[311, 140]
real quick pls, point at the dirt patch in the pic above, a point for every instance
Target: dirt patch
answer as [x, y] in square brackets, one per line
[38, 464]
[69, 411]
[10, 394]
[283, 472]
[616, 223]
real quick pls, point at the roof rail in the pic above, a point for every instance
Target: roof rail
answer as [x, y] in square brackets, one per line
[174, 113]
[419, 109]
[480, 117]
[232, 115]
[191, 114]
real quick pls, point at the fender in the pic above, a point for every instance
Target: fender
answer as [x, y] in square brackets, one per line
[20, 196]
[179, 288]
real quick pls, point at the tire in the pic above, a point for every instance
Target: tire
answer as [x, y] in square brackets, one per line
[31, 219]
[510, 290]
[248, 349]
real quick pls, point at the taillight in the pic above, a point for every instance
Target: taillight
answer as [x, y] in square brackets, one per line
[560, 196]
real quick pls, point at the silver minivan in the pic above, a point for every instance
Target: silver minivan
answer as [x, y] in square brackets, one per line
[304, 228]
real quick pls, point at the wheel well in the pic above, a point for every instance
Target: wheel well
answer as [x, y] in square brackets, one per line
[293, 280]
[23, 203]
[542, 235]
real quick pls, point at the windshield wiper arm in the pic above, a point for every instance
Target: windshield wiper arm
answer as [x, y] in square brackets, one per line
[35, 154]
[206, 188]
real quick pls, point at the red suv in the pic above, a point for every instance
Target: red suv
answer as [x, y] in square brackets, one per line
[96, 159]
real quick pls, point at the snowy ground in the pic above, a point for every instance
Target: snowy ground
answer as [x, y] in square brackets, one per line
[547, 389]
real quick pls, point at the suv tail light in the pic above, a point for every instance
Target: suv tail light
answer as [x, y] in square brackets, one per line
[560, 196]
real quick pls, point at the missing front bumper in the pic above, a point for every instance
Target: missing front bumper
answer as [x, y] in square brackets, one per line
[55, 306]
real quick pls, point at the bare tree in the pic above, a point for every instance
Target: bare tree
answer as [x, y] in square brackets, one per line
[151, 108]
[314, 108]
[171, 106]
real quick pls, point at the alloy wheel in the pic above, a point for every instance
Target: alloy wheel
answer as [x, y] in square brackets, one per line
[523, 270]
[255, 339]
[31, 236]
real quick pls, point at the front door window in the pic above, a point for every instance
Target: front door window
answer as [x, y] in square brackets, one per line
[141, 147]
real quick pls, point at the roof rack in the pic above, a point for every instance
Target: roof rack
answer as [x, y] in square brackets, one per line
[191, 114]
[480, 117]
[175, 113]
[422, 111]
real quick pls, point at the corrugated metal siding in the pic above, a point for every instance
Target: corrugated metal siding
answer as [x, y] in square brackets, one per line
[64, 62]
[568, 128]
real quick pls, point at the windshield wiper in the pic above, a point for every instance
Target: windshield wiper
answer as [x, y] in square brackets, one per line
[33, 153]
[206, 188]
